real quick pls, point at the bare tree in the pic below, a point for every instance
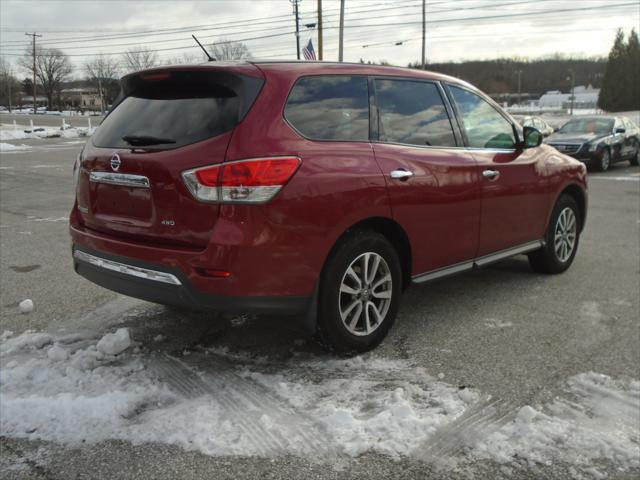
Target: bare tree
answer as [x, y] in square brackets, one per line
[183, 59]
[52, 68]
[229, 50]
[102, 72]
[139, 59]
[9, 85]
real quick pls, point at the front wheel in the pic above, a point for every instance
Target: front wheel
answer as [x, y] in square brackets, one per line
[561, 239]
[359, 293]
[635, 160]
[604, 161]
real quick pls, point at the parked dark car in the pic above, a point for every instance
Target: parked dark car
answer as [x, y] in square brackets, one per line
[536, 122]
[314, 189]
[599, 141]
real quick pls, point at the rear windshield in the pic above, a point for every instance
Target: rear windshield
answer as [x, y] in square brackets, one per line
[173, 109]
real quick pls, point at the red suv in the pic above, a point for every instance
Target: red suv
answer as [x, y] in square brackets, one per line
[314, 189]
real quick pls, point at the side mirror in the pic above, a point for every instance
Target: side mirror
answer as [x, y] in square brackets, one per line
[532, 137]
[557, 129]
[619, 130]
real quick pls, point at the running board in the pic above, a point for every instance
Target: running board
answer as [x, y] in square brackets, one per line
[477, 262]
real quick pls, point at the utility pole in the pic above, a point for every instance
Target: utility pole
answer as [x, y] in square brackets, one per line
[424, 35]
[9, 82]
[319, 29]
[340, 49]
[573, 86]
[34, 35]
[519, 72]
[295, 11]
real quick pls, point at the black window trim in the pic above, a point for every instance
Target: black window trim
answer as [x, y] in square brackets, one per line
[284, 106]
[445, 101]
[493, 105]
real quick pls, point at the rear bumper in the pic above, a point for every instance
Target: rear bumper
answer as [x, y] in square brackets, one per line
[169, 286]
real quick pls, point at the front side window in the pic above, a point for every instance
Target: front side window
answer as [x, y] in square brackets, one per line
[331, 107]
[413, 113]
[484, 126]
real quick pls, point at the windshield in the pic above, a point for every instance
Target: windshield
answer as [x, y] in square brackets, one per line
[170, 111]
[588, 125]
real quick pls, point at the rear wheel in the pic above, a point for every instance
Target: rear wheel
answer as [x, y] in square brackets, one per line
[561, 239]
[360, 292]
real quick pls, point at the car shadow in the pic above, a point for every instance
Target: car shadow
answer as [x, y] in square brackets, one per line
[180, 332]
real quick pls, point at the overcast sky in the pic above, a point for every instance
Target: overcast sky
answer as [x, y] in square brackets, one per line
[372, 28]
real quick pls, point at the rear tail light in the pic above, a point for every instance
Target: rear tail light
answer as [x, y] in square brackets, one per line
[247, 181]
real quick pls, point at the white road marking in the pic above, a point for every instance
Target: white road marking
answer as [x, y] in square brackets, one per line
[617, 179]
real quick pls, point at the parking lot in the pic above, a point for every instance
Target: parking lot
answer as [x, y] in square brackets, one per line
[496, 373]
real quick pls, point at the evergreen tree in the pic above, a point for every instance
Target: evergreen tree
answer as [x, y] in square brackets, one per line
[633, 67]
[614, 95]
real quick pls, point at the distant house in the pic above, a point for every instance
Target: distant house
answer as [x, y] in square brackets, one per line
[81, 98]
[585, 97]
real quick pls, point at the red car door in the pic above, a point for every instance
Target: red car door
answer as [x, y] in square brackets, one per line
[433, 183]
[515, 199]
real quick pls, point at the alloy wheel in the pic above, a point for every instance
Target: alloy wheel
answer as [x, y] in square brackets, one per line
[365, 294]
[565, 235]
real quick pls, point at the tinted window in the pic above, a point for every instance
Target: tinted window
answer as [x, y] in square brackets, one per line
[588, 125]
[485, 127]
[332, 107]
[413, 113]
[184, 107]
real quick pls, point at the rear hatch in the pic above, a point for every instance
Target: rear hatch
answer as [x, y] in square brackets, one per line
[166, 121]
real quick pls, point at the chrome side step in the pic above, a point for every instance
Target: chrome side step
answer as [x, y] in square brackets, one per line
[139, 272]
[477, 262]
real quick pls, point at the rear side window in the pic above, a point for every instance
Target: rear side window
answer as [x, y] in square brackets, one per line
[331, 107]
[413, 113]
[173, 109]
[484, 125]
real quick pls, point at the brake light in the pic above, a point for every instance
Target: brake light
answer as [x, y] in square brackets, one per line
[256, 180]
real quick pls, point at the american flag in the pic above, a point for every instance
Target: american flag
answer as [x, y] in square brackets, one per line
[308, 51]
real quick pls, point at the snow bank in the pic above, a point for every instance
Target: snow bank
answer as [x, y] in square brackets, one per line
[24, 132]
[8, 147]
[78, 390]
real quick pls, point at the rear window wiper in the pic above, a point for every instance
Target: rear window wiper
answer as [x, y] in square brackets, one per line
[142, 140]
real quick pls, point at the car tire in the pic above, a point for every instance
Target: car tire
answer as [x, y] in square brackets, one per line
[561, 239]
[603, 162]
[635, 160]
[354, 312]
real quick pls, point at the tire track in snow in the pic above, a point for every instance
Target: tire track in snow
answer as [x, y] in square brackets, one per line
[247, 402]
[479, 420]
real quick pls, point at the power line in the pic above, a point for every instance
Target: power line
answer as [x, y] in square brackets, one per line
[352, 25]
[438, 21]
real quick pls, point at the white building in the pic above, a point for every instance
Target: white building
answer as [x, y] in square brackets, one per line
[585, 97]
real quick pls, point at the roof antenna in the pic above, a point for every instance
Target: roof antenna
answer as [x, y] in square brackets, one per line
[211, 59]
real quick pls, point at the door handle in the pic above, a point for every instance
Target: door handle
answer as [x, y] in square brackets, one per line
[401, 174]
[491, 174]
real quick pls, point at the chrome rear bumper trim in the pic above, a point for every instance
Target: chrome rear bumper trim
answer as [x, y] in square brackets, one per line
[139, 272]
[123, 179]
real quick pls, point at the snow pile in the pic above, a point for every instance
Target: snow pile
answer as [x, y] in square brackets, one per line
[74, 390]
[601, 422]
[8, 147]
